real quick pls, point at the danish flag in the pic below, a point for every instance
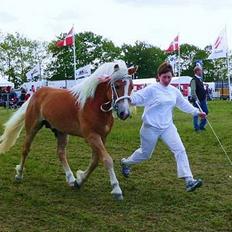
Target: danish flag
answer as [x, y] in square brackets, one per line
[68, 40]
[174, 45]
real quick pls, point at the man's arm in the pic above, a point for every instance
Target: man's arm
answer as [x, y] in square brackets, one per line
[193, 89]
[186, 107]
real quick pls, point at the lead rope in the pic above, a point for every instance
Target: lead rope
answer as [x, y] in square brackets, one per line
[226, 154]
[104, 104]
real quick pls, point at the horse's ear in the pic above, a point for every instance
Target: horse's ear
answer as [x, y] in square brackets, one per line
[116, 67]
[132, 70]
[104, 79]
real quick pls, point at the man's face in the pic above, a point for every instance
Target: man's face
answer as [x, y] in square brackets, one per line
[199, 72]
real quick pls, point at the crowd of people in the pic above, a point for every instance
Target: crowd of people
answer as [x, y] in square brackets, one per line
[11, 98]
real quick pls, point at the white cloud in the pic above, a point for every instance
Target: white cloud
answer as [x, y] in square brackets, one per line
[6, 17]
[123, 21]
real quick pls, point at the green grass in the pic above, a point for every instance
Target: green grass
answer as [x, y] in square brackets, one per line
[154, 199]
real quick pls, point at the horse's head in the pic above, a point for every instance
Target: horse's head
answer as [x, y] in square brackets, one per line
[121, 87]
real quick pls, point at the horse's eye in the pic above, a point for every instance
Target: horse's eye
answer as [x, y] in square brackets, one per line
[116, 86]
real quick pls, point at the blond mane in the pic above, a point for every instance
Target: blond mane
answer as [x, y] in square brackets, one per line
[87, 87]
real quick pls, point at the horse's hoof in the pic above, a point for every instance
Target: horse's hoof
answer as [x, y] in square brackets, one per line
[76, 185]
[118, 197]
[18, 178]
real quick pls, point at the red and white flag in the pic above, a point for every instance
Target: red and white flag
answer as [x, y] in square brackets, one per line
[220, 47]
[174, 45]
[68, 40]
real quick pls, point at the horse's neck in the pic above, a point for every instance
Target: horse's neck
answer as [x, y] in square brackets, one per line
[101, 93]
[97, 102]
[100, 97]
[102, 121]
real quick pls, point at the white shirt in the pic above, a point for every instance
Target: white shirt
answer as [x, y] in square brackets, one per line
[159, 102]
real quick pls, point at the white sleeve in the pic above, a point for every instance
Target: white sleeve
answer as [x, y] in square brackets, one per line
[184, 104]
[141, 97]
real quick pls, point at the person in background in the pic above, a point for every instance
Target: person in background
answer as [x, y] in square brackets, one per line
[159, 100]
[22, 97]
[208, 93]
[33, 89]
[199, 95]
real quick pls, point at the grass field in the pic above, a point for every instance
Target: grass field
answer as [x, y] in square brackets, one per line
[154, 199]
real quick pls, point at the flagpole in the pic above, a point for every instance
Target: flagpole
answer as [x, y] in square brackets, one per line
[228, 74]
[179, 59]
[40, 72]
[74, 55]
[228, 64]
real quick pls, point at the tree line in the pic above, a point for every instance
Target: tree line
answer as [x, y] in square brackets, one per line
[18, 55]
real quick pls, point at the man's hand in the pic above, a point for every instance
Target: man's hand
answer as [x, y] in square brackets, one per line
[202, 115]
[194, 99]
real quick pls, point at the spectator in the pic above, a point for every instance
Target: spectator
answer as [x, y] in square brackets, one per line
[198, 94]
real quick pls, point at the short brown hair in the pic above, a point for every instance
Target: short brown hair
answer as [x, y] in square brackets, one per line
[164, 68]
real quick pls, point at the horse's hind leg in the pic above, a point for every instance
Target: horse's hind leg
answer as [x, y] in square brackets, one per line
[30, 134]
[83, 176]
[61, 144]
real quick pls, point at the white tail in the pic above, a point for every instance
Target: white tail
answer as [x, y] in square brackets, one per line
[13, 128]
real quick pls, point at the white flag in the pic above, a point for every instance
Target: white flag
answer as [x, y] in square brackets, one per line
[83, 71]
[220, 47]
[33, 73]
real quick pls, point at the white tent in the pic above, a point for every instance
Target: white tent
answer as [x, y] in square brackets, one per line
[181, 80]
[175, 80]
[5, 83]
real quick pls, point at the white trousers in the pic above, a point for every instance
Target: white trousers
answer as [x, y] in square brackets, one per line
[149, 137]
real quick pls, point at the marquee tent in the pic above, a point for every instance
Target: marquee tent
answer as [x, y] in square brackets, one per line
[5, 83]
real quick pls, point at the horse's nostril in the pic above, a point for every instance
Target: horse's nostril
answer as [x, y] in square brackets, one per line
[121, 114]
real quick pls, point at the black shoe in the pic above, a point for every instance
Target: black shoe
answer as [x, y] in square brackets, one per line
[126, 169]
[193, 185]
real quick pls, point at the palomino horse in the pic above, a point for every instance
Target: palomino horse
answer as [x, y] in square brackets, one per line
[85, 111]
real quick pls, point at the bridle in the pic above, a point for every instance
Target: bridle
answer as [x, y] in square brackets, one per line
[115, 98]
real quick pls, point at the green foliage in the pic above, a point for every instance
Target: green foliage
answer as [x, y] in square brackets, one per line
[94, 49]
[189, 55]
[17, 56]
[146, 56]
[154, 199]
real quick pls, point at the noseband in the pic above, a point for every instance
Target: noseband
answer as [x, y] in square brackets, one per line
[115, 98]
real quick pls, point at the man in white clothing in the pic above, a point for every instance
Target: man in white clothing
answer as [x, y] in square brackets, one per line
[158, 100]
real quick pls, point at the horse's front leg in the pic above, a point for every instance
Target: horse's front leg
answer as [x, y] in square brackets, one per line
[98, 147]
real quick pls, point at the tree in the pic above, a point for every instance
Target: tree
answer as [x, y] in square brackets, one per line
[146, 56]
[17, 56]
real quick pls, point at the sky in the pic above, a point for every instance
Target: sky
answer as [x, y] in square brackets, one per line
[156, 22]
